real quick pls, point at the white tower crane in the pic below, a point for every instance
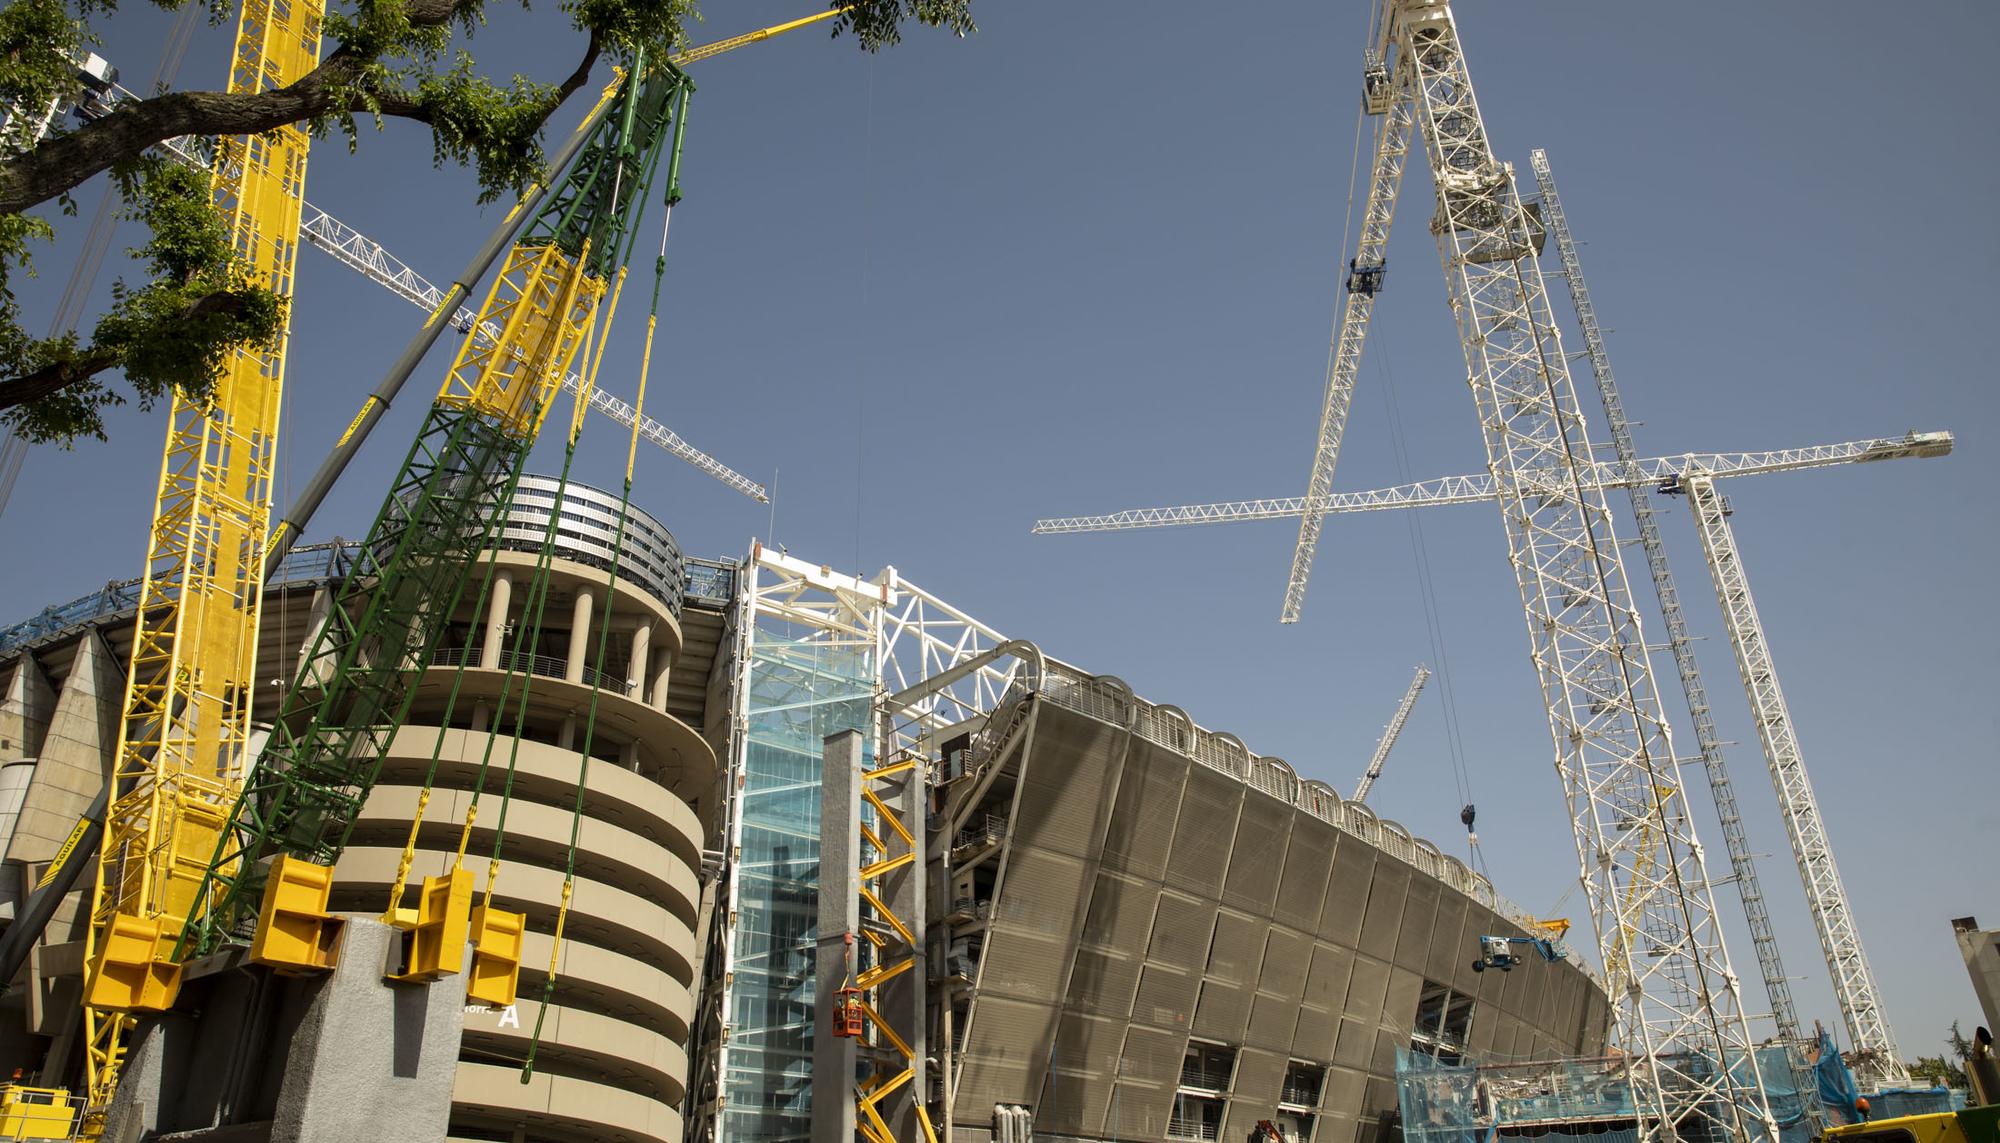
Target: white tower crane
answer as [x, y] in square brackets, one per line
[1743, 867]
[1679, 1006]
[1853, 982]
[1481, 488]
[1679, 1009]
[1390, 734]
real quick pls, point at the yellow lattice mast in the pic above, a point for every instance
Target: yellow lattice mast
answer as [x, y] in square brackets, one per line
[184, 734]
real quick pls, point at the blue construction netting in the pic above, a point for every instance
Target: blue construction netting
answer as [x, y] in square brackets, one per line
[1589, 1097]
[1894, 1102]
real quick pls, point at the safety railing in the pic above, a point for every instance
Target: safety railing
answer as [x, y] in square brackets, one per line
[547, 666]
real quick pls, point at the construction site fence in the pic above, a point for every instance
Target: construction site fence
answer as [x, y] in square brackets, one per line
[1591, 1097]
[1108, 699]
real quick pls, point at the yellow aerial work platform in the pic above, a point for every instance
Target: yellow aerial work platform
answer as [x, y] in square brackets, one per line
[36, 1112]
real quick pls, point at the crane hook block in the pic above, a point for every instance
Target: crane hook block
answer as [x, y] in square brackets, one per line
[295, 933]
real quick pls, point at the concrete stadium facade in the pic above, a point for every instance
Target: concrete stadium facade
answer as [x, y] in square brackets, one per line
[611, 1064]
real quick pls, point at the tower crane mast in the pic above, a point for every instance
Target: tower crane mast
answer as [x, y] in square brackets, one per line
[1854, 985]
[184, 729]
[1390, 734]
[1678, 1007]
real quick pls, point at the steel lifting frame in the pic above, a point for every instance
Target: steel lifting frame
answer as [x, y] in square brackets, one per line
[893, 803]
[184, 730]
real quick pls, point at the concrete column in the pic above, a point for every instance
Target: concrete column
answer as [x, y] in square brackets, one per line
[481, 714]
[497, 603]
[660, 684]
[566, 737]
[642, 646]
[579, 634]
[839, 920]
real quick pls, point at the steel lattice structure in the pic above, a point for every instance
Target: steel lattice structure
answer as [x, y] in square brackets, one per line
[1648, 889]
[1853, 981]
[184, 733]
[1476, 489]
[1391, 733]
[1741, 864]
[1364, 281]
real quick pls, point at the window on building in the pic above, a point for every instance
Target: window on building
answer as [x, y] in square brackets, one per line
[1298, 1100]
[1206, 1072]
[1195, 1117]
[1443, 1024]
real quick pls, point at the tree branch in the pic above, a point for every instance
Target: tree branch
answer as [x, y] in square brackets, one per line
[61, 163]
[55, 376]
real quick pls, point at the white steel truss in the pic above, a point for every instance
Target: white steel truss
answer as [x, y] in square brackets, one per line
[358, 252]
[934, 666]
[1742, 866]
[1847, 964]
[1678, 1001]
[1364, 280]
[1475, 489]
[1391, 733]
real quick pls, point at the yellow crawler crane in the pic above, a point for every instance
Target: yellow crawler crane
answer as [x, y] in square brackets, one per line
[185, 728]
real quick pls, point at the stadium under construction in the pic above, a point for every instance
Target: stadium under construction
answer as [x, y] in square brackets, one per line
[513, 821]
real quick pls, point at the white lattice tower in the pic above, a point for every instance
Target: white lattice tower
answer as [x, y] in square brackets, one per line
[1847, 964]
[1678, 1002]
[1763, 938]
[1392, 148]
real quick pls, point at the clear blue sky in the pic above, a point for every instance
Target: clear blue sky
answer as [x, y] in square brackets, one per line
[1087, 259]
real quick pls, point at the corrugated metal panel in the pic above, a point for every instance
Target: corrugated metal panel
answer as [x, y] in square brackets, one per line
[1400, 1009]
[1024, 965]
[1223, 1011]
[1042, 892]
[1204, 832]
[1103, 982]
[1166, 997]
[1356, 1045]
[1086, 1060]
[1449, 941]
[1340, 1094]
[1326, 983]
[1378, 1095]
[1139, 835]
[1418, 930]
[1138, 1112]
[1302, 886]
[1313, 1038]
[1007, 1041]
[1182, 927]
[1258, 855]
[1287, 955]
[1273, 1020]
[1064, 791]
[1121, 912]
[1367, 990]
[1254, 1094]
[1386, 895]
[1347, 894]
[1152, 1056]
[1388, 1042]
[1238, 947]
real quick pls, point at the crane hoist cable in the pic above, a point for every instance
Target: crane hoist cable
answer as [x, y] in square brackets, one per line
[597, 682]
